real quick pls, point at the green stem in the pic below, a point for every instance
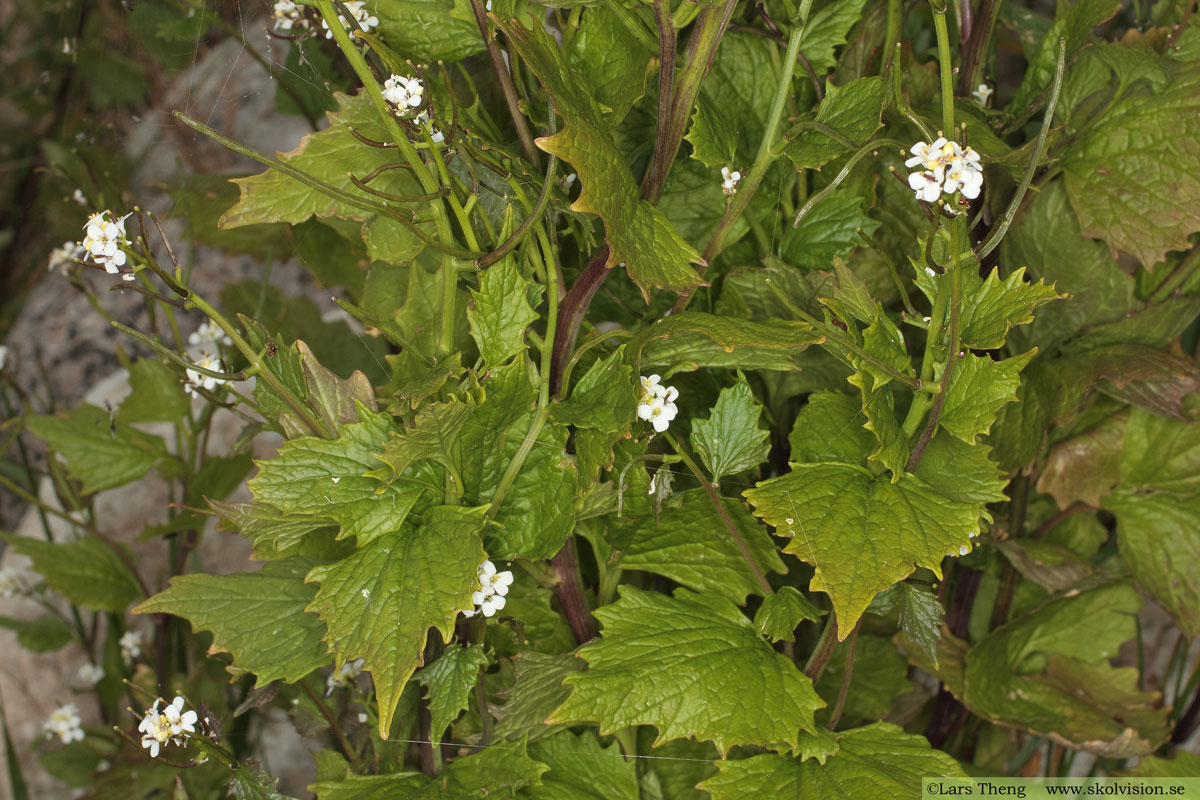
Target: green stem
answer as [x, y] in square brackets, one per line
[534, 217]
[868, 148]
[163, 350]
[901, 101]
[504, 78]
[947, 67]
[338, 734]
[824, 649]
[844, 690]
[722, 512]
[1183, 270]
[891, 41]
[920, 405]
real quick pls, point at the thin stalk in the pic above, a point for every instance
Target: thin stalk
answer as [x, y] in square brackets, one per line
[824, 649]
[840, 704]
[504, 77]
[485, 716]
[891, 265]
[920, 405]
[509, 244]
[945, 64]
[338, 734]
[1039, 150]
[666, 84]
[975, 52]
[163, 350]
[869, 147]
[891, 41]
[723, 513]
[901, 101]
[570, 594]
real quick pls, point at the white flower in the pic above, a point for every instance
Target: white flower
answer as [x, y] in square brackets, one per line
[926, 185]
[198, 379]
[65, 724]
[77, 195]
[104, 235]
[171, 724]
[982, 95]
[13, 580]
[490, 596]
[658, 412]
[434, 134]
[404, 93]
[365, 20]
[209, 333]
[963, 549]
[289, 17]
[131, 646]
[90, 674]
[729, 181]
[964, 174]
[64, 255]
[944, 167]
[343, 675]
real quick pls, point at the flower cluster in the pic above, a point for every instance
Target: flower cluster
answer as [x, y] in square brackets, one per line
[657, 405]
[171, 724]
[404, 93]
[65, 724]
[365, 19]
[729, 181]
[64, 255]
[343, 675]
[103, 236]
[196, 380]
[209, 334]
[946, 167]
[493, 586]
[289, 17]
[131, 646]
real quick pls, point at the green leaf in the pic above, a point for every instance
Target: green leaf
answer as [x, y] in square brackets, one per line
[861, 533]
[156, 394]
[1052, 566]
[1074, 23]
[86, 572]
[536, 691]
[326, 478]
[851, 110]
[920, 615]
[335, 401]
[256, 617]
[501, 312]
[41, 635]
[331, 155]
[538, 513]
[826, 29]
[696, 339]
[1159, 540]
[978, 387]
[581, 769]
[730, 440]
[689, 544]
[880, 760]
[253, 783]
[428, 30]
[1047, 672]
[639, 237]
[831, 427]
[714, 138]
[1132, 178]
[433, 435]
[681, 764]
[497, 771]
[1160, 455]
[828, 231]
[448, 683]
[993, 306]
[880, 674]
[605, 398]
[962, 472]
[883, 340]
[99, 453]
[780, 614]
[1183, 765]
[610, 60]
[1048, 241]
[274, 535]
[710, 678]
[418, 578]
[738, 92]
[1085, 467]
